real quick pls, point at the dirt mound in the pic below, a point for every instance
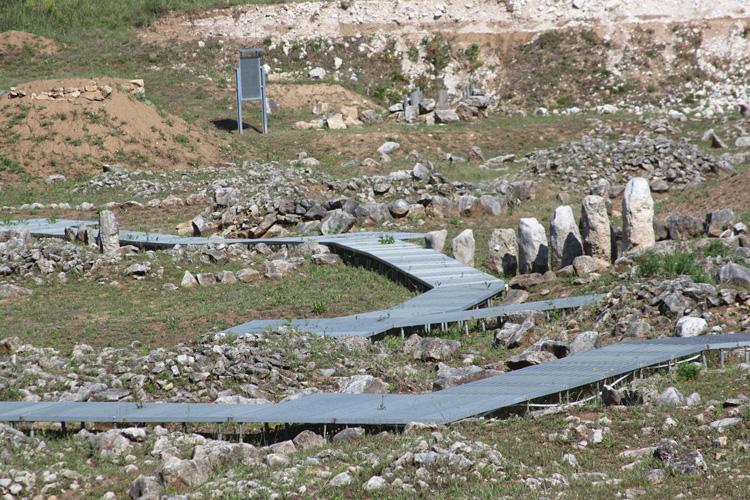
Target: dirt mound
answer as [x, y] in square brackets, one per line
[17, 44]
[302, 97]
[74, 126]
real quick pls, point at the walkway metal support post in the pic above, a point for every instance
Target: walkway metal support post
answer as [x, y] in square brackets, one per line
[721, 357]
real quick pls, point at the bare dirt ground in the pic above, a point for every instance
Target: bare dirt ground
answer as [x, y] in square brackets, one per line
[306, 96]
[71, 135]
[15, 44]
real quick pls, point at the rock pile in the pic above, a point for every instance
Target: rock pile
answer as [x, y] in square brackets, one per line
[666, 164]
[91, 92]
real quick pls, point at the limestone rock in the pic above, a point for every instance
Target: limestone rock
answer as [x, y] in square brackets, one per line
[502, 256]
[513, 335]
[430, 348]
[109, 233]
[450, 377]
[375, 483]
[689, 326]
[336, 122]
[680, 459]
[175, 472]
[493, 205]
[735, 274]
[317, 73]
[326, 259]
[596, 229]
[342, 479]
[399, 208]
[308, 439]
[145, 488]
[584, 341]
[206, 279]
[565, 239]
[336, 222]
[247, 275]
[529, 358]
[718, 221]
[670, 397]
[350, 434]
[446, 116]
[683, 227]
[527, 281]
[388, 147]
[583, 265]
[363, 384]
[637, 216]
[373, 212]
[435, 240]
[463, 247]
[276, 268]
[533, 249]
[522, 191]
[14, 291]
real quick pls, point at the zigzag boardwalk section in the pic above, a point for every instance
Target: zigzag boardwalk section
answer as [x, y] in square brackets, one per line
[479, 398]
[451, 286]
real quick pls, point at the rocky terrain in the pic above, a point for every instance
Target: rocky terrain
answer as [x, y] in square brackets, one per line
[569, 148]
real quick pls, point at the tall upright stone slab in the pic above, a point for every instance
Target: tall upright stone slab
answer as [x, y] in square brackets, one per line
[502, 254]
[565, 239]
[637, 216]
[463, 247]
[109, 233]
[596, 230]
[533, 249]
[435, 240]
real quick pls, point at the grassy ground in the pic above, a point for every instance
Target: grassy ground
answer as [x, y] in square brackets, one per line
[83, 311]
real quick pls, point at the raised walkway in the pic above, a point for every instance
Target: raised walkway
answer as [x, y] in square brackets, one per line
[452, 288]
[474, 399]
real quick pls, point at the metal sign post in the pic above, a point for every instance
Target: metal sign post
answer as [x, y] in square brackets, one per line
[250, 78]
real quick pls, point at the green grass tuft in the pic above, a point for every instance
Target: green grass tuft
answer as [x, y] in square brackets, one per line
[658, 265]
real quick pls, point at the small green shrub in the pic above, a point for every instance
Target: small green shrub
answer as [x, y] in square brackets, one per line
[688, 371]
[319, 308]
[386, 239]
[716, 249]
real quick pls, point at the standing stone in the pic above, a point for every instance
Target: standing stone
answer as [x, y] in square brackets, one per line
[637, 216]
[565, 240]
[596, 229]
[109, 233]
[502, 255]
[533, 249]
[463, 247]
[435, 240]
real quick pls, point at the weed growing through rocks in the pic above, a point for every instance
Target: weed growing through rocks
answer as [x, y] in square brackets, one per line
[654, 264]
